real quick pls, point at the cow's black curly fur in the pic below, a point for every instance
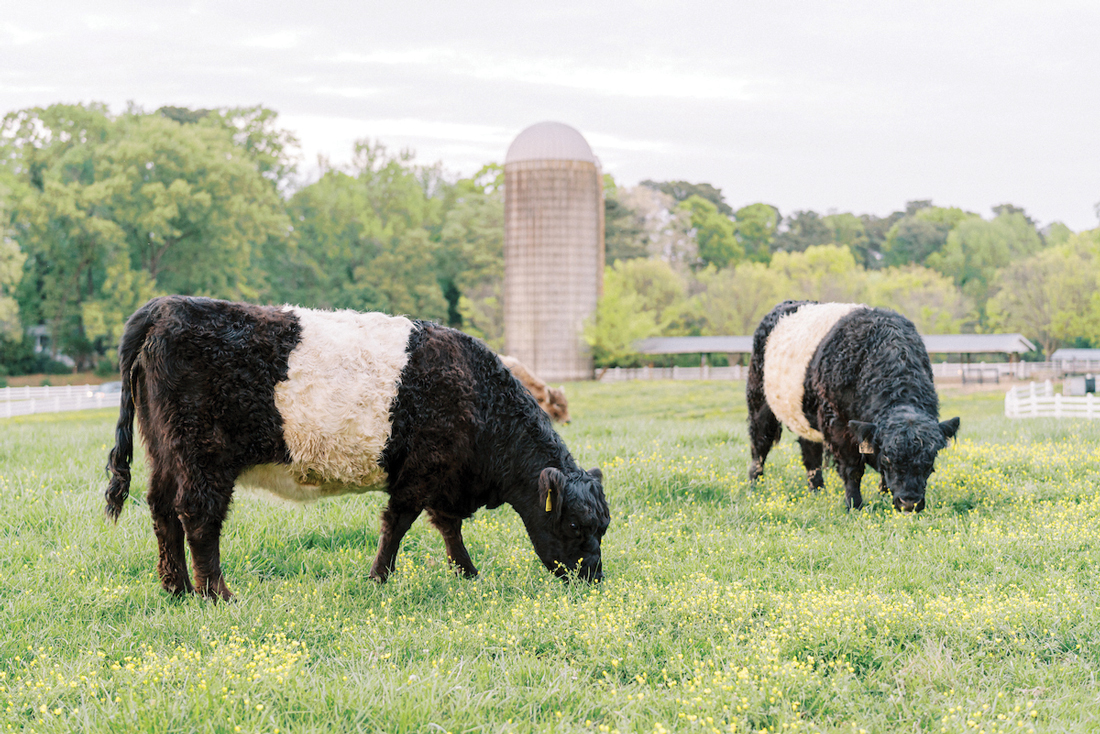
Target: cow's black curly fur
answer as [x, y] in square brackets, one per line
[870, 382]
[201, 374]
[466, 435]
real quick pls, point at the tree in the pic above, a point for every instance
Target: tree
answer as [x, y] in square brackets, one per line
[1052, 296]
[977, 248]
[620, 320]
[624, 230]
[821, 273]
[111, 209]
[682, 191]
[735, 299]
[875, 228]
[471, 268]
[666, 229]
[714, 233]
[927, 298]
[921, 233]
[801, 230]
[11, 272]
[366, 238]
[756, 225]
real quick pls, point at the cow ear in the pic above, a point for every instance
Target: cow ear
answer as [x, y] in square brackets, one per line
[950, 428]
[551, 489]
[595, 471]
[862, 431]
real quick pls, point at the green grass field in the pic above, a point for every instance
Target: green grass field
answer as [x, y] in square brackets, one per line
[722, 610]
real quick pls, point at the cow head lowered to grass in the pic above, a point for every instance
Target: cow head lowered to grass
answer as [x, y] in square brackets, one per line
[856, 380]
[308, 404]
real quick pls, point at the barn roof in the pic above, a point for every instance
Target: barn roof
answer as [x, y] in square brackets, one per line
[695, 345]
[934, 343]
[977, 343]
[1075, 355]
[549, 141]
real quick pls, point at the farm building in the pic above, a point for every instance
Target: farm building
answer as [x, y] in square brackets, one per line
[553, 249]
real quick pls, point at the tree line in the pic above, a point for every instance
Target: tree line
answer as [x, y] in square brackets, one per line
[101, 211]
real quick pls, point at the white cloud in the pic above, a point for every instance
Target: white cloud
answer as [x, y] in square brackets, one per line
[348, 92]
[17, 36]
[650, 79]
[280, 40]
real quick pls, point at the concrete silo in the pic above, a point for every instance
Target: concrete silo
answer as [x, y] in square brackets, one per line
[553, 249]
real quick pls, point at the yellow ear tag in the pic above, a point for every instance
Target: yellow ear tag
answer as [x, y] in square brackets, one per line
[866, 448]
[548, 507]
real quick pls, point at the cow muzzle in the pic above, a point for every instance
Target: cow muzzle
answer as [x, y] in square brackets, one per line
[904, 505]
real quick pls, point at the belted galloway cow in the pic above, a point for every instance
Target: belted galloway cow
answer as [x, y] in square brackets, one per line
[855, 380]
[308, 404]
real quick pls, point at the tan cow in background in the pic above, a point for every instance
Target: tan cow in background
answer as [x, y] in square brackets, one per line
[550, 399]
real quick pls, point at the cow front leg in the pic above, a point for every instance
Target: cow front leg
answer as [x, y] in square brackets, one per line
[172, 563]
[451, 530]
[812, 456]
[203, 505]
[852, 474]
[395, 523]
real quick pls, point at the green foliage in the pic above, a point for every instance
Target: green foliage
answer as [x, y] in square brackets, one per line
[681, 191]
[111, 210]
[802, 230]
[623, 229]
[641, 298]
[921, 233]
[820, 273]
[766, 608]
[471, 259]
[756, 225]
[927, 298]
[977, 248]
[734, 300]
[365, 239]
[714, 233]
[1052, 296]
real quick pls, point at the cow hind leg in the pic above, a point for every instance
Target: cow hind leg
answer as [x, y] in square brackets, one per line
[812, 456]
[396, 521]
[203, 503]
[172, 563]
[451, 530]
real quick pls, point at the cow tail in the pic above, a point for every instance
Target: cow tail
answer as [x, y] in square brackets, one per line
[130, 367]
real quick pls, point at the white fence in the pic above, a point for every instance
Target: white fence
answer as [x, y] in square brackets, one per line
[1038, 400]
[27, 400]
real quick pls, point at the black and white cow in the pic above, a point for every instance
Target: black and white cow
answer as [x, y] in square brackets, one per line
[856, 380]
[308, 404]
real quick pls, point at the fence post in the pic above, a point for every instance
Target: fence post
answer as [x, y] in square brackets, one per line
[1057, 406]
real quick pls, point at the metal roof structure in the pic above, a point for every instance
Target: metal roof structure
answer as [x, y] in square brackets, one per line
[695, 345]
[1075, 355]
[977, 344]
[549, 141]
[934, 343]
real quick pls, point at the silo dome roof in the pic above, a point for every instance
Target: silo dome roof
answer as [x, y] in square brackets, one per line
[549, 141]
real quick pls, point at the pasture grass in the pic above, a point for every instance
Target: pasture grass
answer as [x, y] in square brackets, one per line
[724, 609]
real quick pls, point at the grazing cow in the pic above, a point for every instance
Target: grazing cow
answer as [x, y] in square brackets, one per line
[856, 380]
[307, 404]
[550, 399]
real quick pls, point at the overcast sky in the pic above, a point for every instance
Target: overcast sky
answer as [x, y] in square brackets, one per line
[852, 106]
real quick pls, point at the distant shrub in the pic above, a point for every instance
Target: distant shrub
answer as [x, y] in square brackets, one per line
[104, 368]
